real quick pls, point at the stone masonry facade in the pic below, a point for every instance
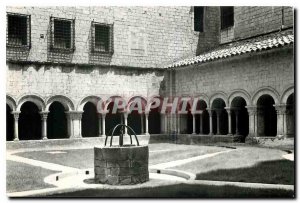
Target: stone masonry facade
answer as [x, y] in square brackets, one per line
[144, 40]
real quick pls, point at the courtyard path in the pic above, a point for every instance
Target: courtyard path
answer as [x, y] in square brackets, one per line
[188, 160]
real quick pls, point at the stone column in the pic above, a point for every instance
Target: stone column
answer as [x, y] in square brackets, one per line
[237, 112]
[44, 115]
[210, 112]
[201, 122]
[99, 124]
[194, 124]
[280, 111]
[70, 124]
[259, 122]
[142, 124]
[125, 122]
[229, 120]
[146, 126]
[165, 123]
[16, 124]
[218, 111]
[289, 122]
[103, 124]
[252, 112]
[75, 117]
[178, 123]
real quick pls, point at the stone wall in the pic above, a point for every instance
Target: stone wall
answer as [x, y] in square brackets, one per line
[255, 20]
[77, 82]
[273, 69]
[165, 33]
[209, 38]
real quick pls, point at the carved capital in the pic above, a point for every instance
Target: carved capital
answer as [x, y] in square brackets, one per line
[228, 109]
[210, 111]
[280, 109]
[252, 110]
[44, 115]
[16, 115]
[75, 115]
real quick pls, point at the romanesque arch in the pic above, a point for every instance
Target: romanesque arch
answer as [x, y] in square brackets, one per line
[64, 100]
[239, 93]
[11, 102]
[286, 93]
[57, 125]
[155, 121]
[202, 119]
[137, 120]
[266, 116]
[90, 122]
[113, 118]
[185, 121]
[30, 124]
[93, 99]
[216, 95]
[219, 115]
[239, 115]
[10, 107]
[265, 91]
[36, 99]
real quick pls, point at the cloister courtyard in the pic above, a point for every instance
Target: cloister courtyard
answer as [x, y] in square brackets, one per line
[176, 170]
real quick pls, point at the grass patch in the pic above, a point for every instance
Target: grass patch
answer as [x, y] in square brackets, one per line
[84, 158]
[272, 172]
[183, 191]
[242, 157]
[23, 177]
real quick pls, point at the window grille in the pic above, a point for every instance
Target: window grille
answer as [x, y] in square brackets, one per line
[102, 38]
[227, 17]
[62, 34]
[198, 18]
[18, 31]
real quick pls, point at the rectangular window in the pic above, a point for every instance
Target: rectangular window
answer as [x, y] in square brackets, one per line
[227, 16]
[198, 18]
[18, 30]
[102, 37]
[62, 34]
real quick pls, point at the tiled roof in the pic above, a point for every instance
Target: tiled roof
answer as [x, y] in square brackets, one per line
[241, 47]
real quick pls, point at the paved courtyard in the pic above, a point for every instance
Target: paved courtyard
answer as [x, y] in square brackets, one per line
[31, 172]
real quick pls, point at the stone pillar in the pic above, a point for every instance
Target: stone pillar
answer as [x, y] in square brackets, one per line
[75, 117]
[16, 124]
[280, 111]
[165, 123]
[125, 123]
[103, 124]
[229, 120]
[210, 112]
[70, 124]
[289, 122]
[259, 122]
[201, 122]
[252, 112]
[178, 123]
[194, 124]
[146, 126]
[142, 124]
[99, 124]
[237, 112]
[218, 111]
[44, 115]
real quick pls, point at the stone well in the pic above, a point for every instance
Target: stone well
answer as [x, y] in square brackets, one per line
[123, 165]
